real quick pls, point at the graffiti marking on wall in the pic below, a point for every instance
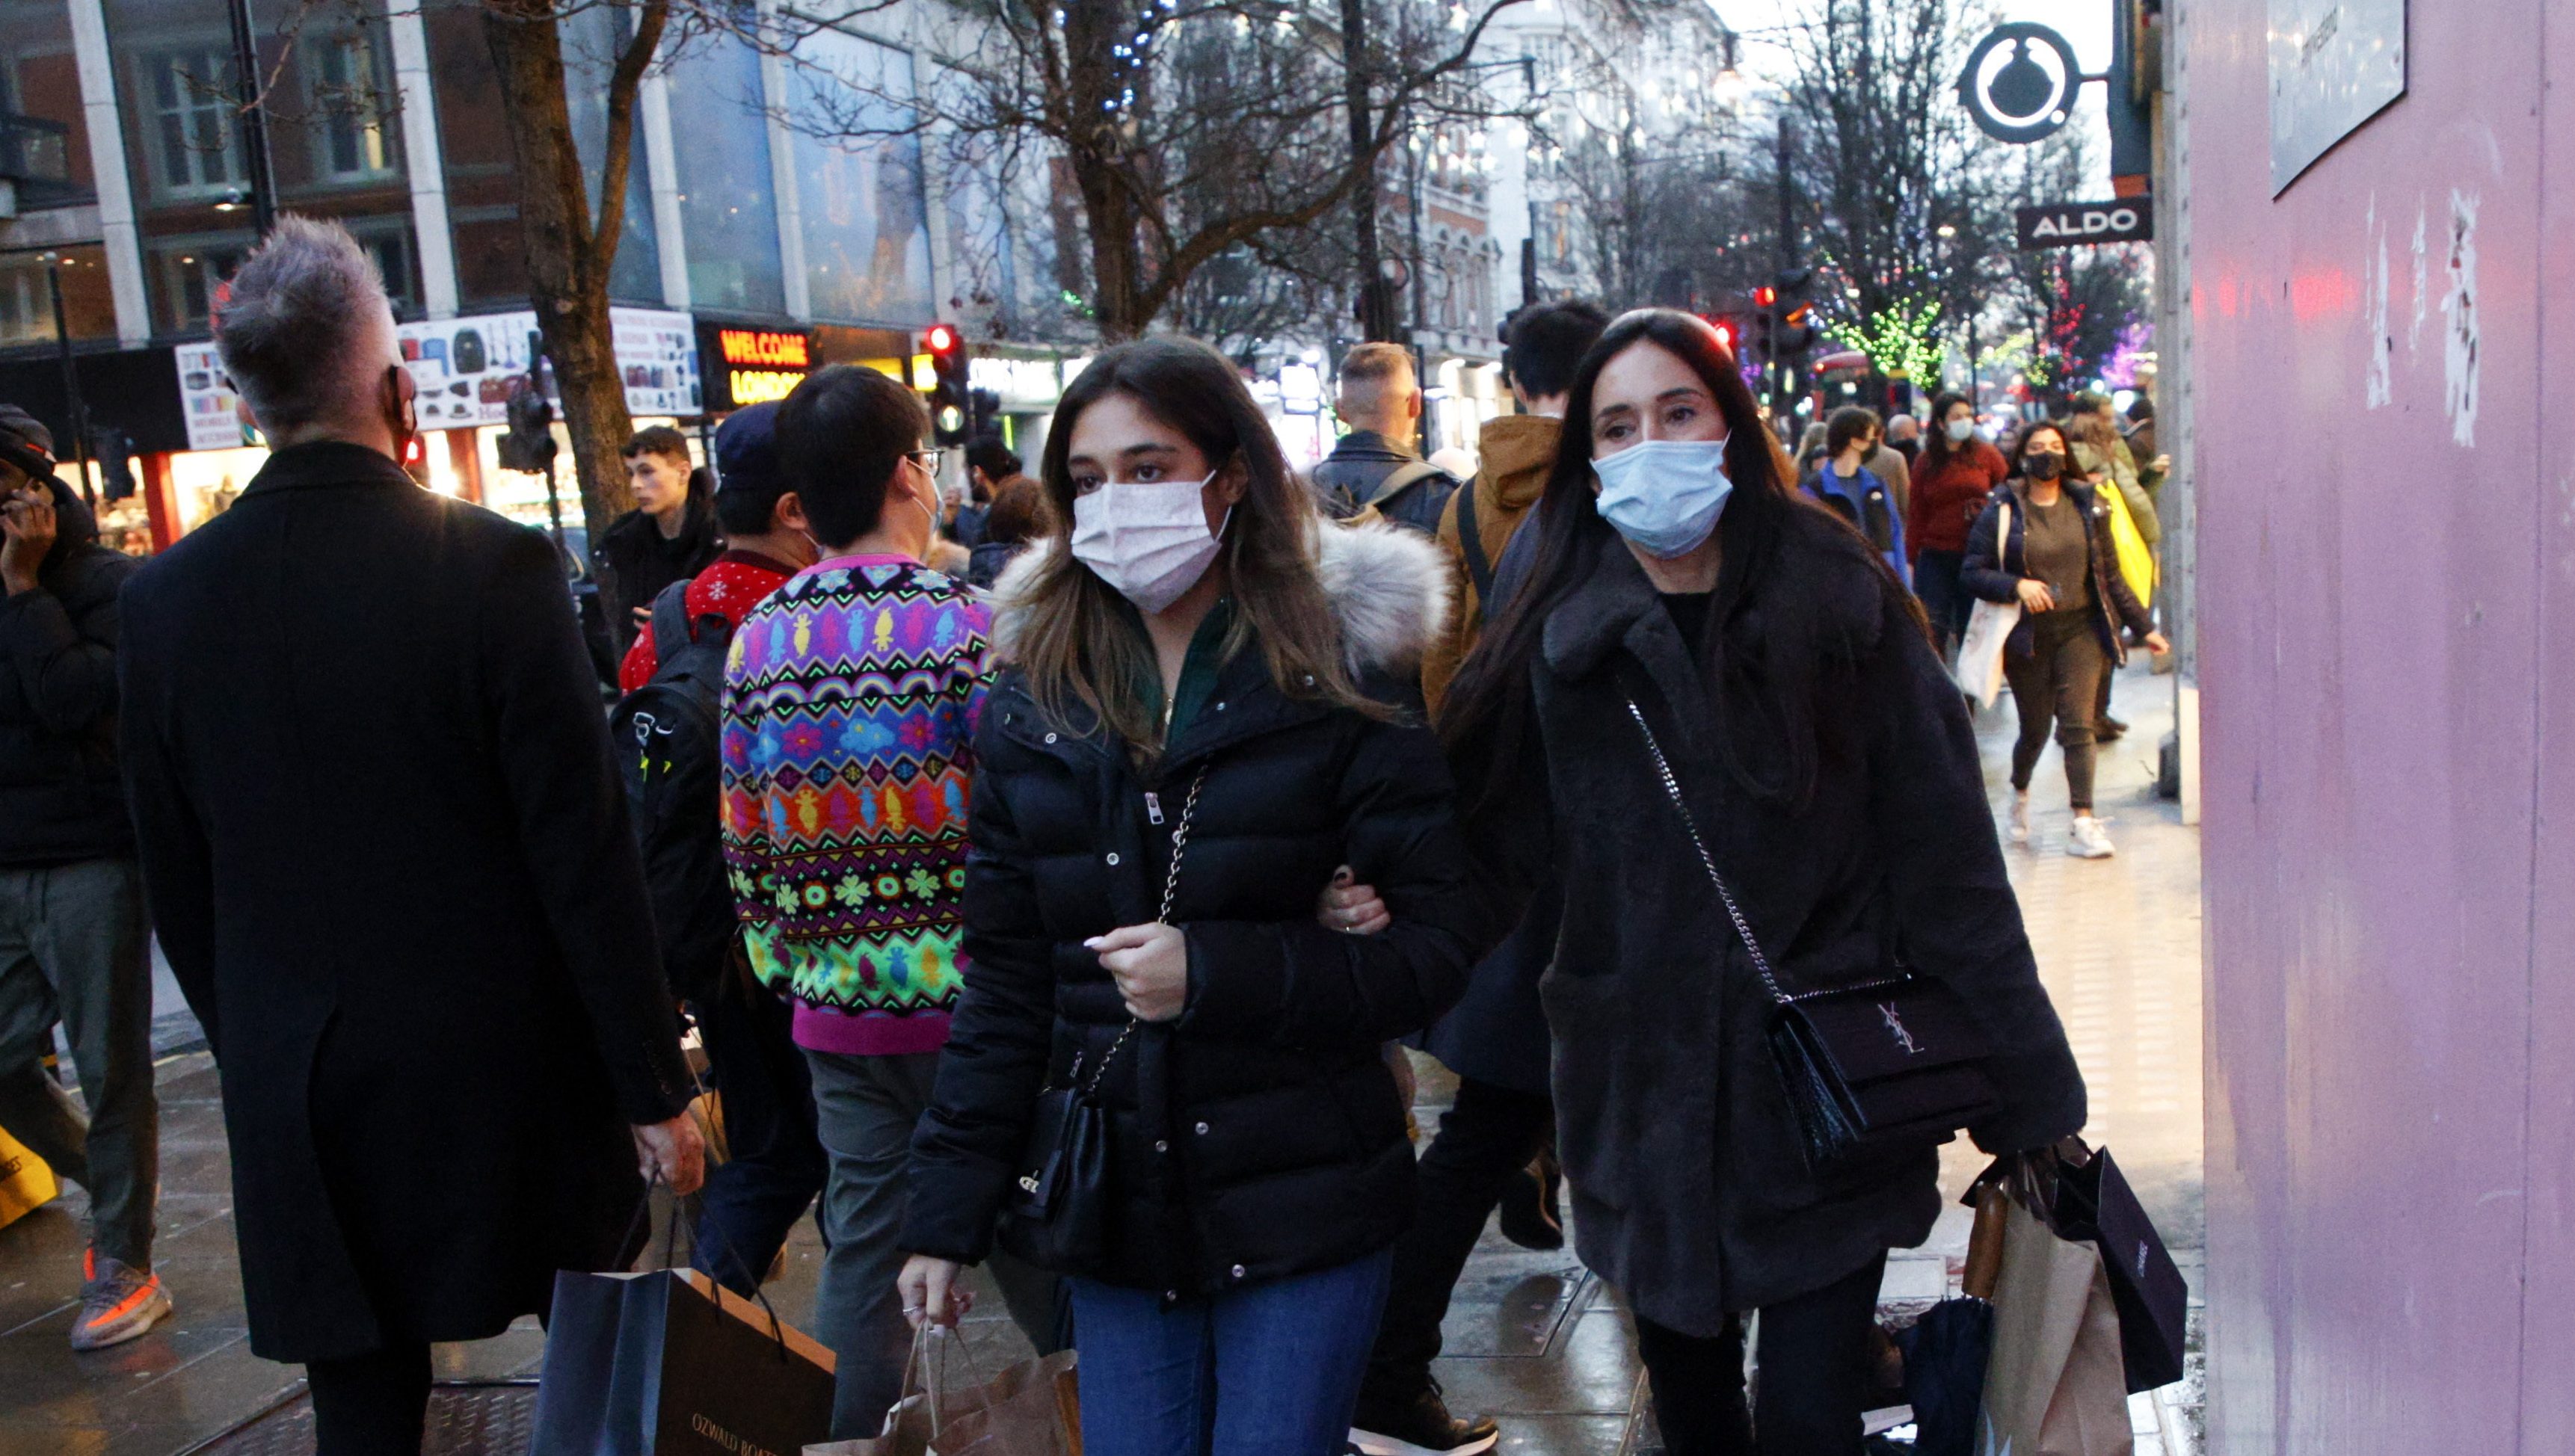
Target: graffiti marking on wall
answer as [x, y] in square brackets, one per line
[2381, 387]
[2422, 270]
[2459, 331]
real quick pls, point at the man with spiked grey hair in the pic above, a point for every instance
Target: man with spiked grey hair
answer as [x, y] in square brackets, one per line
[385, 848]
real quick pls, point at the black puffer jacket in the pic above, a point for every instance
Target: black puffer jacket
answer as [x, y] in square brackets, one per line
[1260, 1134]
[60, 796]
[1993, 569]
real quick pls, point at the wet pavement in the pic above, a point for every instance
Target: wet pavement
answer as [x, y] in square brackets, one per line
[1531, 1338]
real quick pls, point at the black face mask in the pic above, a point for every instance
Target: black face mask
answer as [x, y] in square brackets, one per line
[2042, 465]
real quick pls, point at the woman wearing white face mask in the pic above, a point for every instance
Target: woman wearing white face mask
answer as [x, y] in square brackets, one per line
[1193, 733]
[1951, 479]
[1709, 676]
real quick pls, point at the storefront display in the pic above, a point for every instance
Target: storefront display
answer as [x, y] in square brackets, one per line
[464, 367]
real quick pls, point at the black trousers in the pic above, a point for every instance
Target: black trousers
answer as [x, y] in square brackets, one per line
[375, 1404]
[751, 1203]
[1485, 1138]
[1814, 1376]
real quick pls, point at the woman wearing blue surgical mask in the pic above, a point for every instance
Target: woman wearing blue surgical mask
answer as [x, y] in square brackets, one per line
[1197, 731]
[1955, 474]
[1695, 628]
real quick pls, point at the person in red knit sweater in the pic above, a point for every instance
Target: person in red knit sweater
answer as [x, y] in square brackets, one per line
[1951, 478]
[766, 540]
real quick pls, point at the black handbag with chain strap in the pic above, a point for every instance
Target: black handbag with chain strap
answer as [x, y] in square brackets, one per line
[1867, 1068]
[1057, 1216]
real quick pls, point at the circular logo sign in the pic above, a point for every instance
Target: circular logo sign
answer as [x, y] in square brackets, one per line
[2020, 83]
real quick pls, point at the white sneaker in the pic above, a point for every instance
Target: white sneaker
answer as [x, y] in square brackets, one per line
[2088, 841]
[2020, 816]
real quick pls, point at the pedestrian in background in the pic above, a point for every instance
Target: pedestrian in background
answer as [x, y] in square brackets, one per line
[1855, 491]
[1894, 468]
[1684, 584]
[670, 536]
[1904, 437]
[1376, 464]
[1196, 729]
[1018, 517]
[2055, 561]
[773, 1166]
[990, 465]
[1951, 479]
[1495, 1145]
[2100, 457]
[388, 857]
[848, 710]
[74, 947]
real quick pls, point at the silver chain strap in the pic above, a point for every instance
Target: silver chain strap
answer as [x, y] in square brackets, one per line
[1690, 824]
[1171, 889]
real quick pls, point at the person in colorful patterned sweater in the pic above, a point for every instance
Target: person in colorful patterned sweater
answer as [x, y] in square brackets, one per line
[849, 708]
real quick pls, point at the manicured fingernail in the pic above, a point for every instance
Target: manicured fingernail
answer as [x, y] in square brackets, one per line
[1094, 942]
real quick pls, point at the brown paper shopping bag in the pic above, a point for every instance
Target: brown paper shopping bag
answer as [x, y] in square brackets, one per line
[2054, 1385]
[1033, 1408]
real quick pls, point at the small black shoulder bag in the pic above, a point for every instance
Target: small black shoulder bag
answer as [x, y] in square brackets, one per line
[1059, 1206]
[1867, 1068]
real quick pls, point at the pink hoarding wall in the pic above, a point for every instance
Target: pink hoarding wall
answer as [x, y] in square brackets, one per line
[2382, 370]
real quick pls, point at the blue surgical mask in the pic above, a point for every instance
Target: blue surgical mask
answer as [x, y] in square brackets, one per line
[1664, 495]
[1958, 430]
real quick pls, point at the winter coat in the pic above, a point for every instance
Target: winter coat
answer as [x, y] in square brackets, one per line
[988, 560]
[634, 562]
[1497, 1031]
[2118, 466]
[1260, 1134]
[1867, 503]
[387, 857]
[1517, 452]
[1691, 1192]
[1996, 575]
[1348, 481]
[1949, 493]
[60, 799]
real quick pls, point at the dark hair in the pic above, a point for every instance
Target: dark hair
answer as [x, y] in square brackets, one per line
[1935, 430]
[1849, 423]
[1541, 343]
[1082, 643]
[997, 461]
[840, 435]
[747, 504]
[2142, 408]
[1019, 512]
[2065, 442]
[2089, 403]
[659, 440]
[1761, 666]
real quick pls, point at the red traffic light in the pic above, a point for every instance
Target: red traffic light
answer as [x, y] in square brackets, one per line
[1766, 297]
[1725, 336]
[940, 338]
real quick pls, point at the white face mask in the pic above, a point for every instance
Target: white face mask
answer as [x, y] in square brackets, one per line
[1147, 539]
[1959, 429]
[1664, 495]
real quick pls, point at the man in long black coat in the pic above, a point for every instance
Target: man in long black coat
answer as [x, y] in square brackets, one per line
[390, 864]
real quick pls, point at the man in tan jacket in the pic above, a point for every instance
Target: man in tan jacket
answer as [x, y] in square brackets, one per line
[1493, 1145]
[1541, 347]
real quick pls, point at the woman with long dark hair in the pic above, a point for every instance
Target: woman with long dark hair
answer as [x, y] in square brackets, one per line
[1951, 479]
[1686, 601]
[2045, 544]
[1195, 730]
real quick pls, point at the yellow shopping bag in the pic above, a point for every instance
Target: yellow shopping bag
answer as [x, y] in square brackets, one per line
[26, 1183]
[2136, 558]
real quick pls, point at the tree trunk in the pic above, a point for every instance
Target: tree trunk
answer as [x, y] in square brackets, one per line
[566, 271]
[1092, 30]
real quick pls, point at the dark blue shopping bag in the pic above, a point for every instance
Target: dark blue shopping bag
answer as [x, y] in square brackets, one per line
[670, 1363]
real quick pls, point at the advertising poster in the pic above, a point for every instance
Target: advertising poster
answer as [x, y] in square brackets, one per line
[464, 367]
[214, 421]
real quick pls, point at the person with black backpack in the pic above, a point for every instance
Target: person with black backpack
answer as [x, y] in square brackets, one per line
[667, 731]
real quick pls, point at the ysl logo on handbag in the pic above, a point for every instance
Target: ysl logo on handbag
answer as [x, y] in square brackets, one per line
[1896, 1028]
[1027, 1182]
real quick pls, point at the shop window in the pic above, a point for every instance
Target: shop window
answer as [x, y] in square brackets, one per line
[44, 128]
[27, 302]
[866, 218]
[195, 150]
[351, 108]
[728, 196]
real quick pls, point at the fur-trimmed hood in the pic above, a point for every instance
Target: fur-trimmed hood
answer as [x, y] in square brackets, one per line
[1388, 587]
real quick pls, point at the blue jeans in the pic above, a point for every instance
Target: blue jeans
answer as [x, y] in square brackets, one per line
[1271, 1370]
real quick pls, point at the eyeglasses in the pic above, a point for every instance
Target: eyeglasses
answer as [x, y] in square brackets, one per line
[931, 458]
